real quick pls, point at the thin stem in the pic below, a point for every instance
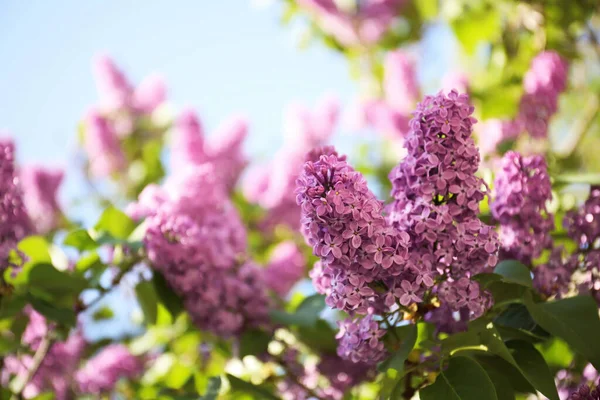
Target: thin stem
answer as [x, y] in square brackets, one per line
[103, 291]
[38, 358]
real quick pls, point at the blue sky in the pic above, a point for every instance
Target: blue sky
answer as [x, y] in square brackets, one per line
[217, 58]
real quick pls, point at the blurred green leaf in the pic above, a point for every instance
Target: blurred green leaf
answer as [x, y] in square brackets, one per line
[306, 315]
[166, 295]
[515, 272]
[64, 316]
[464, 379]
[58, 283]
[80, 239]
[254, 342]
[103, 313]
[566, 179]
[320, 337]
[476, 25]
[116, 223]
[574, 319]
[147, 298]
[213, 389]
[427, 9]
[260, 392]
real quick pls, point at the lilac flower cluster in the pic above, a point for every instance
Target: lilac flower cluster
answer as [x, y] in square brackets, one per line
[543, 83]
[123, 110]
[58, 366]
[285, 267]
[224, 151]
[272, 185]
[391, 115]
[569, 386]
[360, 340]
[578, 271]
[340, 376]
[14, 221]
[342, 220]
[196, 239]
[437, 197]
[40, 189]
[583, 224]
[521, 190]
[363, 23]
[102, 372]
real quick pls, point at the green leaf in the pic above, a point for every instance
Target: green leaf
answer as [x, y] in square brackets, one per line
[80, 239]
[49, 279]
[36, 248]
[408, 337]
[147, 298]
[320, 337]
[428, 9]
[502, 384]
[495, 365]
[516, 323]
[64, 316]
[464, 379]
[575, 320]
[103, 313]
[254, 342]
[88, 261]
[116, 223]
[260, 392]
[306, 315]
[166, 295]
[179, 374]
[534, 367]
[213, 389]
[476, 26]
[506, 293]
[515, 272]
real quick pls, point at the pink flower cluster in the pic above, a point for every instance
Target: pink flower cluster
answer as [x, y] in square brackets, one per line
[521, 190]
[576, 272]
[58, 366]
[342, 220]
[543, 83]
[196, 239]
[360, 340]
[14, 221]
[437, 197]
[391, 115]
[101, 373]
[362, 23]
[224, 151]
[123, 109]
[272, 185]
[40, 190]
[285, 267]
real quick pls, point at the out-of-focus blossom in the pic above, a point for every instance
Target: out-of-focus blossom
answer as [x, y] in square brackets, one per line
[365, 23]
[149, 94]
[493, 132]
[521, 190]
[391, 115]
[272, 186]
[40, 189]
[583, 223]
[455, 81]
[543, 83]
[285, 267]
[224, 151]
[102, 146]
[55, 373]
[113, 87]
[196, 239]
[14, 221]
[101, 373]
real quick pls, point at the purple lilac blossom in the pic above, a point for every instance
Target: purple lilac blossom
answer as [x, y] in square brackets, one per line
[58, 366]
[40, 190]
[342, 220]
[360, 341]
[272, 186]
[583, 223]
[285, 267]
[196, 239]
[14, 221]
[102, 146]
[521, 190]
[225, 151]
[362, 24]
[102, 372]
[437, 197]
[543, 83]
